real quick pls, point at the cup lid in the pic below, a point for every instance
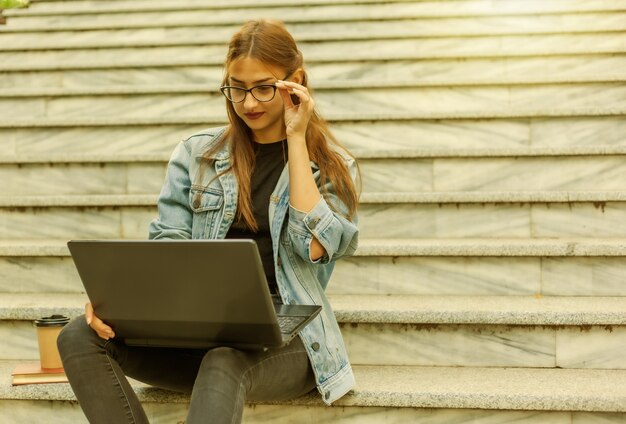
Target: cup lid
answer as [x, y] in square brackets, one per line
[52, 321]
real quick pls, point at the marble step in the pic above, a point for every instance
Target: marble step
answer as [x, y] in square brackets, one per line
[328, 13]
[364, 81]
[486, 178]
[357, 101]
[317, 31]
[398, 119]
[94, 19]
[440, 215]
[502, 6]
[453, 267]
[598, 171]
[359, 151]
[486, 137]
[393, 309]
[495, 331]
[427, 72]
[331, 51]
[349, 76]
[458, 345]
[67, 412]
[435, 395]
[471, 247]
[77, 7]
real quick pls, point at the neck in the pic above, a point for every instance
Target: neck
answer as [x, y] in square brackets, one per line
[271, 134]
[269, 140]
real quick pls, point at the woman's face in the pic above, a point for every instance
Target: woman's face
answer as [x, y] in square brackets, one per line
[265, 119]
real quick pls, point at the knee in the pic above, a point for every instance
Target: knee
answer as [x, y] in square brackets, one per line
[224, 359]
[73, 335]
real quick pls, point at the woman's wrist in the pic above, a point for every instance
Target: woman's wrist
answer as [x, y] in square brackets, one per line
[296, 139]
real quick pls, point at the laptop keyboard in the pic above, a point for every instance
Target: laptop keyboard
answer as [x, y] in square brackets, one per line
[289, 323]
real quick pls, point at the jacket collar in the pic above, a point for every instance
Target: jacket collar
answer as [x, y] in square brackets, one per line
[222, 154]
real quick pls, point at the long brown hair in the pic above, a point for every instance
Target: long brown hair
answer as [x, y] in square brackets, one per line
[271, 43]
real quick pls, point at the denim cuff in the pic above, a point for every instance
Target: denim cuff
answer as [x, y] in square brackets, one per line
[306, 225]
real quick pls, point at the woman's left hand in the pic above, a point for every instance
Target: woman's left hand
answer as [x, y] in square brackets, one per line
[296, 116]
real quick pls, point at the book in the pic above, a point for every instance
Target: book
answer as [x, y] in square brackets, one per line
[32, 373]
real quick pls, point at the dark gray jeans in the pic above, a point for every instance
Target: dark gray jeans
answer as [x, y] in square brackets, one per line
[220, 380]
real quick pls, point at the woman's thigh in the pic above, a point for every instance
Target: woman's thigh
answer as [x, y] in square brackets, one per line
[272, 374]
[168, 368]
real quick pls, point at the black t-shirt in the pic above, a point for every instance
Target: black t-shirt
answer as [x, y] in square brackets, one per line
[270, 161]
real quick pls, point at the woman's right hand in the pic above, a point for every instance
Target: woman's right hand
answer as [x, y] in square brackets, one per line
[103, 330]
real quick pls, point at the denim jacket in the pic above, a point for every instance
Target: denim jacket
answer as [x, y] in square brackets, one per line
[193, 204]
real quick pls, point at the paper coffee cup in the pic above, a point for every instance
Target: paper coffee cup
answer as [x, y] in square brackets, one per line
[48, 329]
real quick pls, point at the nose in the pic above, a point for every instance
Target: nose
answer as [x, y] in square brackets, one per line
[250, 102]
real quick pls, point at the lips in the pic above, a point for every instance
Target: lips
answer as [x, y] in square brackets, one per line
[253, 116]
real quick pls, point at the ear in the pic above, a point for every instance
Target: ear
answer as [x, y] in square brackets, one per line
[297, 76]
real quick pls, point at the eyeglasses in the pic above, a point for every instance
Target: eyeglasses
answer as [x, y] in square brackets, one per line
[262, 93]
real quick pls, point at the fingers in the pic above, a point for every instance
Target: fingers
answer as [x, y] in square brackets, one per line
[284, 93]
[104, 331]
[304, 97]
[88, 312]
[291, 84]
[284, 87]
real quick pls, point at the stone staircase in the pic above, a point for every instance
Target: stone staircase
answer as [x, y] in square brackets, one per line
[490, 283]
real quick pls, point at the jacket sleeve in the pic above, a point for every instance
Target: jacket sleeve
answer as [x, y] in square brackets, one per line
[175, 215]
[338, 235]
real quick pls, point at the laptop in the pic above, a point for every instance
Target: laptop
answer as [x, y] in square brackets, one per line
[186, 293]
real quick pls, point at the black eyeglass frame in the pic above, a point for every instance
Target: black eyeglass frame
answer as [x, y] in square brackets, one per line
[249, 90]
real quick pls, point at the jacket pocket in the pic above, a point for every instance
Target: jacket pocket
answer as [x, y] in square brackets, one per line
[206, 204]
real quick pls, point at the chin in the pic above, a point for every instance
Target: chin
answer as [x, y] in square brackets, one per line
[255, 125]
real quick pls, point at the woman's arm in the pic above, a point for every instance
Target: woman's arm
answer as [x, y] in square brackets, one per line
[324, 233]
[303, 191]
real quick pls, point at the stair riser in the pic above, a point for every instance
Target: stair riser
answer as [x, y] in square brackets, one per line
[496, 46]
[442, 135]
[593, 173]
[515, 276]
[74, 179]
[375, 221]
[317, 13]
[448, 71]
[66, 412]
[458, 276]
[154, 139]
[573, 23]
[446, 100]
[436, 345]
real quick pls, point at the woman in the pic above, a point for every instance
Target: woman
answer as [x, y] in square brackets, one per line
[276, 175]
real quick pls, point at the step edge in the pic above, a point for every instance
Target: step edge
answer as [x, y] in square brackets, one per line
[499, 197]
[14, 20]
[359, 153]
[364, 397]
[343, 117]
[395, 309]
[301, 38]
[343, 85]
[311, 59]
[136, 8]
[537, 247]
